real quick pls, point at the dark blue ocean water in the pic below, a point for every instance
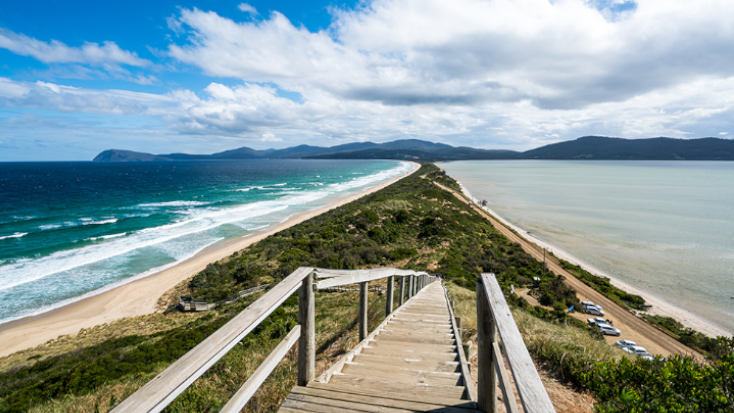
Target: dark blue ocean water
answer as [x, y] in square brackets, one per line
[79, 228]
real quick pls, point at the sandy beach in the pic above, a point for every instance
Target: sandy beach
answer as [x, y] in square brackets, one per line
[139, 297]
[659, 307]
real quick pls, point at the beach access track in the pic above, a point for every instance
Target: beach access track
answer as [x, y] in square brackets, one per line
[633, 327]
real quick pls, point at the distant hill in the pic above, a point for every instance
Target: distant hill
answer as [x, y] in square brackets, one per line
[587, 147]
[444, 154]
[603, 148]
[301, 151]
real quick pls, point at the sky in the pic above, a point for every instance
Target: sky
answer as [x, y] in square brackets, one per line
[204, 76]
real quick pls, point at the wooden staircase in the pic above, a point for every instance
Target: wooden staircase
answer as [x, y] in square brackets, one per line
[410, 364]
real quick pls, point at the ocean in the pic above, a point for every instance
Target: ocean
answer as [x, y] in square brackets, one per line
[664, 227]
[69, 230]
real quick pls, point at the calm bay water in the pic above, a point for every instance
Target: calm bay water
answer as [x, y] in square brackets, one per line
[666, 228]
[73, 229]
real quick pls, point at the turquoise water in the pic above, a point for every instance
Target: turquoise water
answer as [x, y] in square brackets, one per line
[666, 228]
[74, 229]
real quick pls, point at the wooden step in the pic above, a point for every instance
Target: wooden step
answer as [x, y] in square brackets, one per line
[334, 398]
[403, 376]
[385, 386]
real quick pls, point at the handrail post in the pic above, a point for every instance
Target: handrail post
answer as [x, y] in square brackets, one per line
[410, 286]
[390, 293]
[363, 303]
[486, 335]
[307, 341]
[402, 290]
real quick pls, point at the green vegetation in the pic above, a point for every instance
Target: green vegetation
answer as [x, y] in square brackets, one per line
[687, 336]
[674, 385]
[410, 224]
[621, 298]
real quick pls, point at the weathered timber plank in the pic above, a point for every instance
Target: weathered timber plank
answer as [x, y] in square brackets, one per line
[243, 395]
[363, 404]
[394, 393]
[438, 391]
[466, 375]
[532, 392]
[166, 386]
[356, 276]
[403, 376]
[505, 385]
[383, 400]
[382, 363]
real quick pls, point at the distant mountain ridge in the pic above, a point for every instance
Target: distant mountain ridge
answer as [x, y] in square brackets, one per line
[584, 148]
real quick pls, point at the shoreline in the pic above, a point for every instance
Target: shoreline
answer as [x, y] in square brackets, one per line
[659, 307]
[140, 297]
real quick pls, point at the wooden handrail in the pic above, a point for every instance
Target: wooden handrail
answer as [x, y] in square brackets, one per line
[493, 318]
[166, 386]
[463, 360]
[343, 277]
[245, 393]
[158, 393]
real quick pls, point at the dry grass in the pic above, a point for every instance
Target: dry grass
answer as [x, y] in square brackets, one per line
[336, 334]
[141, 325]
[542, 337]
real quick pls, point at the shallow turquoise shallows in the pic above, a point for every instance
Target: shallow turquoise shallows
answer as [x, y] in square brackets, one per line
[665, 227]
[73, 229]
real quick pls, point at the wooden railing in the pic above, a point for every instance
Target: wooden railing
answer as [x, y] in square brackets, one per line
[169, 384]
[495, 319]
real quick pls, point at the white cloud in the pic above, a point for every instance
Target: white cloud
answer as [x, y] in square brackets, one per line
[246, 8]
[269, 137]
[57, 52]
[500, 73]
[723, 133]
[429, 67]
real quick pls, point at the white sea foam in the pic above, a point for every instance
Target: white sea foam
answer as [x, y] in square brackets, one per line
[30, 270]
[50, 226]
[16, 235]
[199, 220]
[50, 307]
[106, 221]
[108, 236]
[173, 204]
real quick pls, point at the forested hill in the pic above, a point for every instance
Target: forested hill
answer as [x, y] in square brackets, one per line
[588, 147]
[603, 148]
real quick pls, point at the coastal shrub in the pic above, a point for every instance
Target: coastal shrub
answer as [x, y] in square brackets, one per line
[603, 285]
[677, 384]
[692, 338]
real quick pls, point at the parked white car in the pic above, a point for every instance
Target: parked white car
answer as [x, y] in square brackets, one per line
[592, 309]
[638, 351]
[625, 343]
[596, 320]
[609, 330]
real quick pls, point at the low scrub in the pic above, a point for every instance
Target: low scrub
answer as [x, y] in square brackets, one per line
[675, 385]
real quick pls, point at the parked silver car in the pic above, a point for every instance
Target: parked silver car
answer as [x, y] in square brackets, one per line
[625, 343]
[596, 320]
[638, 351]
[594, 310]
[609, 330]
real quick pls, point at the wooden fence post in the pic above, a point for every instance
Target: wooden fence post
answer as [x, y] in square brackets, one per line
[402, 290]
[363, 307]
[410, 286]
[307, 341]
[486, 336]
[390, 293]
[458, 330]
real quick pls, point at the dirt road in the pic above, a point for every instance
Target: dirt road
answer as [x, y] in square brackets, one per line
[632, 327]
